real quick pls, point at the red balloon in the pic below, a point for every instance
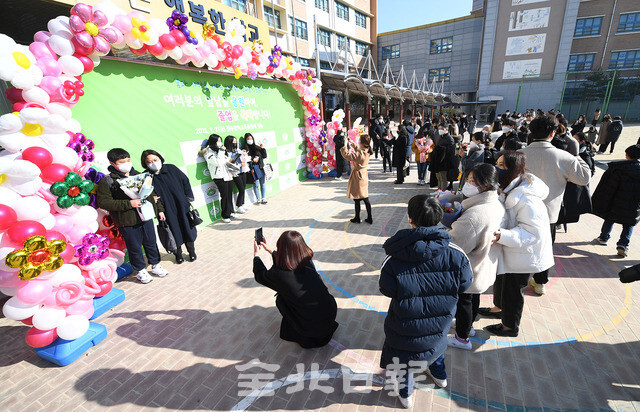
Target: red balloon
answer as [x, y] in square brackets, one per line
[138, 52]
[227, 62]
[179, 37]
[13, 95]
[37, 338]
[18, 106]
[167, 41]
[86, 62]
[80, 49]
[39, 156]
[28, 321]
[55, 172]
[270, 69]
[155, 49]
[236, 51]
[218, 66]
[8, 217]
[25, 229]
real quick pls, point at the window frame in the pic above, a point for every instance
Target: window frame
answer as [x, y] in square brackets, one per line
[342, 8]
[267, 13]
[636, 24]
[391, 53]
[439, 48]
[590, 34]
[635, 60]
[363, 46]
[322, 5]
[362, 17]
[237, 2]
[446, 74]
[575, 66]
[320, 37]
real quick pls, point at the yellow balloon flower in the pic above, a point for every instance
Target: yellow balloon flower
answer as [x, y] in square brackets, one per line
[140, 29]
[36, 256]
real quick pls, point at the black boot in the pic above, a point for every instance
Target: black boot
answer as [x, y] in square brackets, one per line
[191, 248]
[179, 258]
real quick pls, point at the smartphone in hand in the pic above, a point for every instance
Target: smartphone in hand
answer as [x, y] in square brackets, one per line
[259, 236]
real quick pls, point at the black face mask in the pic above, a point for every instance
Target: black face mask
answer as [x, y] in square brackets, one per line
[234, 146]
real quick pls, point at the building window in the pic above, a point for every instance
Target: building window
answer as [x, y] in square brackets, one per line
[629, 59]
[443, 73]
[322, 5]
[443, 45]
[361, 19]
[588, 27]
[324, 37]
[342, 10]
[361, 48]
[629, 22]
[341, 40]
[391, 52]
[298, 28]
[303, 62]
[574, 90]
[325, 65]
[269, 17]
[237, 4]
[580, 62]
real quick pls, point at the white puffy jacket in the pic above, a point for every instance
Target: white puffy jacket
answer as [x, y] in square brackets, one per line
[525, 236]
[216, 163]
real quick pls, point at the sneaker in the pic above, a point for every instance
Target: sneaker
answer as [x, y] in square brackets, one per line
[601, 241]
[454, 342]
[407, 403]
[143, 276]
[538, 288]
[442, 383]
[226, 220]
[240, 210]
[232, 215]
[159, 271]
[264, 201]
[472, 332]
[339, 178]
[599, 152]
[622, 251]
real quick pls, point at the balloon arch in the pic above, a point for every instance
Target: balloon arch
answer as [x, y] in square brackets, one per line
[57, 250]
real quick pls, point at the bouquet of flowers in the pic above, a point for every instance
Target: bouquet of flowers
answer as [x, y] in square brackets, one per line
[139, 187]
[452, 208]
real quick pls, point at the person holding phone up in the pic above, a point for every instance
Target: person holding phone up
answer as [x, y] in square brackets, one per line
[308, 309]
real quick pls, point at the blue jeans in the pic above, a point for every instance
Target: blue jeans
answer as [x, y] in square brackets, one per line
[422, 170]
[260, 183]
[437, 369]
[137, 236]
[625, 236]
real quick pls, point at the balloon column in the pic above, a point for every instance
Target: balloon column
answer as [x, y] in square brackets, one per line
[52, 261]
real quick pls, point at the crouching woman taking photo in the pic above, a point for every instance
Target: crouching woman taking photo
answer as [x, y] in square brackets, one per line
[308, 309]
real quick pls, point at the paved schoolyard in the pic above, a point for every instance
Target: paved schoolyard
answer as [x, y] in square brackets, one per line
[184, 342]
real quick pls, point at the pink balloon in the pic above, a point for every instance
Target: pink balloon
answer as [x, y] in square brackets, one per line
[50, 84]
[37, 338]
[122, 23]
[34, 291]
[39, 156]
[49, 66]
[41, 36]
[86, 62]
[68, 254]
[9, 279]
[155, 49]
[54, 173]
[41, 50]
[54, 234]
[63, 224]
[236, 51]
[167, 41]
[80, 307]
[83, 43]
[25, 229]
[84, 11]
[8, 217]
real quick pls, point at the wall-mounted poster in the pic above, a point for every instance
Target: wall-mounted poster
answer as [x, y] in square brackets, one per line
[533, 43]
[517, 69]
[529, 19]
[521, 2]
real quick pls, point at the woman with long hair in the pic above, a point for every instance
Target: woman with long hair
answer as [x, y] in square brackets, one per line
[239, 158]
[525, 239]
[257, 154]
[358, 186]
[174, 189]
[216, 157]
[308, 309]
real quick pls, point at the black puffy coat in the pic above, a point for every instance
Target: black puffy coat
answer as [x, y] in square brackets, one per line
[423, 274]
[400, 150]
[617, 197]
[443, 156]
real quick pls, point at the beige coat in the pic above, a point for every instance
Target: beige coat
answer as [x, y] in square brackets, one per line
[602, 135]
[482, 215]
[358, 186]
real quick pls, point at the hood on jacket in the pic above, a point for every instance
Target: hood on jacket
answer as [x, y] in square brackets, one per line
[627, 167]
[419, 244]
[528, 185]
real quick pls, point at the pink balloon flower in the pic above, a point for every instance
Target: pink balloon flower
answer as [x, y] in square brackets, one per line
[91, 30]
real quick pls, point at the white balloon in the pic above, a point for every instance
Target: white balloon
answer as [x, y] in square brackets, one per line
[48, 221]
[67, 273]
[176, 53]
[60, 26]
[95, 58]
[8, 197]
[10, 123]
[15, 309]
[36, 95]
[32, 208]
[71, 66]
[60, 109]
[56, 123]
[65, 156]
[10, 291]
[93, 227]
[73, 327]
[74, 126]
[61, 46]
[48, 318]
[70, 211]
[34, 114]
[86, 215]
[27, 187]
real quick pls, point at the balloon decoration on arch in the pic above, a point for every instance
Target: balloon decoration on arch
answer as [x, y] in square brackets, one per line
[57, 250]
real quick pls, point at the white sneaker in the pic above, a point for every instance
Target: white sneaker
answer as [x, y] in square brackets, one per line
[407, 403]
[232, 215]
[240, 210]
[143, 276]
[264, 201]
[339, 178]
[537, 287]
[226, 220]
[455, 343]
[159, 271]
[472, 332]
[439, 382]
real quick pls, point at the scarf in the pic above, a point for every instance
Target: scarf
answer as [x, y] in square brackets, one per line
[423, 147]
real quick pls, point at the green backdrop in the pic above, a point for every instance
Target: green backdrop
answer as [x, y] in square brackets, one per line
[137, 106]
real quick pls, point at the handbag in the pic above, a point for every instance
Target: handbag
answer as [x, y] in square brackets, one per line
[166, 237]
[233, 169]
[268, 171]
[193, 217]
[256, 172]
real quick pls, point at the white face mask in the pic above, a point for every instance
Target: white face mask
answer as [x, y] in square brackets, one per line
[219, 144]
[124, 167]
[249, 141]
[441, 132]
[470, 190]
[155, 166]
[506, 129]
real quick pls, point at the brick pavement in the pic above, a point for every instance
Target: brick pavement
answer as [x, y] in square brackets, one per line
[175, 343]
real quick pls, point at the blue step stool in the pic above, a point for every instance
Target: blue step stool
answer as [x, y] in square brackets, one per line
[124, 270]
[64, 352]
[104, 303]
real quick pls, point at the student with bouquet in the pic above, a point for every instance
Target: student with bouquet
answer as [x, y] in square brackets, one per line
[136, 228]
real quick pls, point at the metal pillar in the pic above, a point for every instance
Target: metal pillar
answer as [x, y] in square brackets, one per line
[347, 108]
[401, 110]
[386, 108]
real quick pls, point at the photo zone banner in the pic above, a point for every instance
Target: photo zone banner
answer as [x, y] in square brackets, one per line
[172, 110]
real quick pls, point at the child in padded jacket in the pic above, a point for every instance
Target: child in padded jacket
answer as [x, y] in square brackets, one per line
[423, 274]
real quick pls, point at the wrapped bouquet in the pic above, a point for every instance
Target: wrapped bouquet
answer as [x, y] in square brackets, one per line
[450, 206]
[139, 187]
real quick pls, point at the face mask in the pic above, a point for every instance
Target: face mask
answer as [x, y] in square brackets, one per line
[506, 129]
[501, 173]
[219, 145]
[124, 167]
[155, 166]
[249, 141]
[470, 190]
[441, 132]
[235, 146]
